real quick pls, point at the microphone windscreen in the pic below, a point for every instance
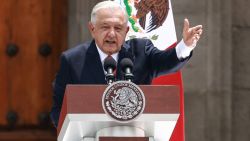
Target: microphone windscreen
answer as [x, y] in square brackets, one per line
[126, 63]
[109, 62]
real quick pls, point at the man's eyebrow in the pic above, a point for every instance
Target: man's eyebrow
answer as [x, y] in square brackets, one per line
[104, 23]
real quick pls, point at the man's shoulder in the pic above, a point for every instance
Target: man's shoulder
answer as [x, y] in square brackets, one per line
[77, 50]
[137, 40]
[138, 43]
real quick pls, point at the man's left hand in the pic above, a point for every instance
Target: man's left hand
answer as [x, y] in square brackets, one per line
[191, 35]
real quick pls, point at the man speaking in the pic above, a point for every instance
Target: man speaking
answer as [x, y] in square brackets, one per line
[84, 64]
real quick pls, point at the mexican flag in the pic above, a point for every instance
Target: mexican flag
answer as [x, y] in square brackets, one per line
[153, 19]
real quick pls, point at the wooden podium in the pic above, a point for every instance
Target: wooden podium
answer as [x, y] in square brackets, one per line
[82, 117]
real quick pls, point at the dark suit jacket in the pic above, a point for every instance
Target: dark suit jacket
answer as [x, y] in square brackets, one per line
[82, 65]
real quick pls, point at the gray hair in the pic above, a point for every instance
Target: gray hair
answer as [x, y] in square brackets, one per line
[106, 4]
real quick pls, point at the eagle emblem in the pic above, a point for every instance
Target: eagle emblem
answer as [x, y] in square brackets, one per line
[157, 9]
[123, 101]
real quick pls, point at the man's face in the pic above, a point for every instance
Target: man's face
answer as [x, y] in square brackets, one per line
[109, 30]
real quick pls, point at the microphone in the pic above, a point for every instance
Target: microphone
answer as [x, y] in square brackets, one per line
[109, 67]
[127, 67]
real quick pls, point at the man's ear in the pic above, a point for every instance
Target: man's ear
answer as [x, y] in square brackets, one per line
[91, 29]
[127, 29]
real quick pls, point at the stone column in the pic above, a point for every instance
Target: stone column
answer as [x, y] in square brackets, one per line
[241, 70]
[79, 16]
[207, 77]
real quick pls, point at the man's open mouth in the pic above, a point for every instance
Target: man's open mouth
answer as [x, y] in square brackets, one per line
[110, 42]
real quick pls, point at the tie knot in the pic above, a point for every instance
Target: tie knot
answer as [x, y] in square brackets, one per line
[109, 57]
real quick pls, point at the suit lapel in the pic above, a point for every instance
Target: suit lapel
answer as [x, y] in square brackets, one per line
[93, 71]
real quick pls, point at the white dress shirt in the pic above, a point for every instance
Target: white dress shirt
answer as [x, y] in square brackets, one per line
[103, 55]
[182, 50]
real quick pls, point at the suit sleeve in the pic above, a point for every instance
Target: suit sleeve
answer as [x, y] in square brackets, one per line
[163, 62]
[62, 79]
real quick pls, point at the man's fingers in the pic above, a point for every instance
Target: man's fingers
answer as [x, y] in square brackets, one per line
[197, 36]
[191, 35]
[197, 28]
[186, 25]
[199, 31]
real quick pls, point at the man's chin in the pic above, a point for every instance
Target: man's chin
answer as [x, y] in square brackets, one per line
[111, 50]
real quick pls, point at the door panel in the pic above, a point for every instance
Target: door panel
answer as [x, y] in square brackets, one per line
[31, 26]
[39, 30]
[4, 38]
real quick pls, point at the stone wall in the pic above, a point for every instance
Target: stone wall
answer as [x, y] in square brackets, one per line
[207, 78]
[240, 70]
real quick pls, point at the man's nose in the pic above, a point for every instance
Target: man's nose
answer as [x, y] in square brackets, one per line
[111, 32]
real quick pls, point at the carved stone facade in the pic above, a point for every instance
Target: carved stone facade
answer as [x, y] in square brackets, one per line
[217, 79]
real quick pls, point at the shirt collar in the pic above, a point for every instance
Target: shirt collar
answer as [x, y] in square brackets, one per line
[103, 55]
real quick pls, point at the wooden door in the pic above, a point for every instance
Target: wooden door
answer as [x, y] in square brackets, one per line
[33, 33]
